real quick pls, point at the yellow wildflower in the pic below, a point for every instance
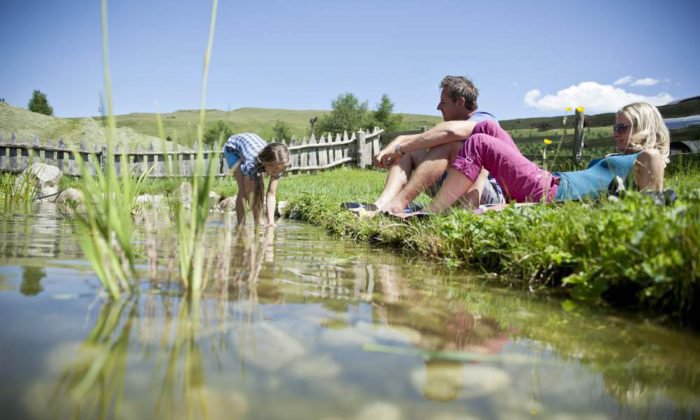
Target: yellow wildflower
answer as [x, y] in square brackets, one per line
[579, 109]
[567, 109]
[547, 141]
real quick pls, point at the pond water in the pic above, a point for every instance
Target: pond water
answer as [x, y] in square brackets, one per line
[300, 325]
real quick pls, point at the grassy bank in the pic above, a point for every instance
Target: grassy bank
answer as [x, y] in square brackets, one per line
[629, 253]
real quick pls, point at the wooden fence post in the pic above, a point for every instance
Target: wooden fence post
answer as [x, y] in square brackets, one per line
[361, 152]
[295, 153]
[376, 145]
[61, 155]
[578, 136]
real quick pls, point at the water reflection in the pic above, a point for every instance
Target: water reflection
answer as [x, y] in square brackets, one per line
[31, 280]
[446, 335]
[36, 233]
[243, 337]
[293, 324]
[167, 338]
[93, 385]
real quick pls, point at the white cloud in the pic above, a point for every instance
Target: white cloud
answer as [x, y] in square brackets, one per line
[623, 80]
[593, 96]
[647, 81]
[644, 81]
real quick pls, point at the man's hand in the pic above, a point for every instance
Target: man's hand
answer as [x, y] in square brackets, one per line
[386, 157]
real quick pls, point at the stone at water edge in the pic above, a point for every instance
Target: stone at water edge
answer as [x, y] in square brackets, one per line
[45, 178]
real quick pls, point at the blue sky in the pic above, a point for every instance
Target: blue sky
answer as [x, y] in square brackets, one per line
[528, 58]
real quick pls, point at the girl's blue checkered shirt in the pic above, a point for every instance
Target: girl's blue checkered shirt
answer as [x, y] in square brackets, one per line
[247, 146]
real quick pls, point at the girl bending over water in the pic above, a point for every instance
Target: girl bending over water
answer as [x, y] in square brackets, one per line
[251, 158]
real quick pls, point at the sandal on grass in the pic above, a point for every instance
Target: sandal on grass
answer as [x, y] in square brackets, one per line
[353, 206]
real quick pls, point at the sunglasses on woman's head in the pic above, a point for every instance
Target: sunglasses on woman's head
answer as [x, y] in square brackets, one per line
[620, 128]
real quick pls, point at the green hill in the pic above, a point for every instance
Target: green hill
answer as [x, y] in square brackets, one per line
[181, 126]
[25, 126]
[141, 129]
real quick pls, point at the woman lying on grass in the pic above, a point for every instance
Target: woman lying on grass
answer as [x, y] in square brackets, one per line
[641, 138]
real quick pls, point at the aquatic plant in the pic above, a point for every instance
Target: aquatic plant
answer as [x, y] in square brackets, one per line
[106, 226]
[191, 221]
[16, 190]
[19, 189]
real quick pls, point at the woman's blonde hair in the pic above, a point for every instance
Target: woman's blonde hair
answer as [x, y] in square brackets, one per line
[273, 153]
[648, 130]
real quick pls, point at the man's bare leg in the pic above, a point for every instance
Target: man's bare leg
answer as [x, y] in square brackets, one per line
[424, 175]
[398, 176]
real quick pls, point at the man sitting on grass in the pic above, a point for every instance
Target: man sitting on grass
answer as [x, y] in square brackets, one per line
[418, 162]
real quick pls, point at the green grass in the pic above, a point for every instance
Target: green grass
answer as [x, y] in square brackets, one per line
[627, 253]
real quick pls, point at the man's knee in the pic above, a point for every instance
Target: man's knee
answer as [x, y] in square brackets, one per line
[479, 139]
[488, 127]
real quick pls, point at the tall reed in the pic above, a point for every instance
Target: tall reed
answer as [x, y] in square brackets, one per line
[106, 225]
[16, 190]
[191, 222]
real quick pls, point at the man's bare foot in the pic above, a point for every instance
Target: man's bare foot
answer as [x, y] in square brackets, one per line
[396, 207]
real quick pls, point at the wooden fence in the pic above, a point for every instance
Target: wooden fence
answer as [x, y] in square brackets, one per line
[307, 155]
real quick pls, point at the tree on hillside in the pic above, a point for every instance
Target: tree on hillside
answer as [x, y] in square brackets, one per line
[218, 133]
[347, 114]
[383, 116]
[281, 131]
[39, 103]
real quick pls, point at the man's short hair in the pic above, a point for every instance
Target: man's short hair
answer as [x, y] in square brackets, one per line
[461, 87]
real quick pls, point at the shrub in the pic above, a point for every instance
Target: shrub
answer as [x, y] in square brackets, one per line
[38, 103]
